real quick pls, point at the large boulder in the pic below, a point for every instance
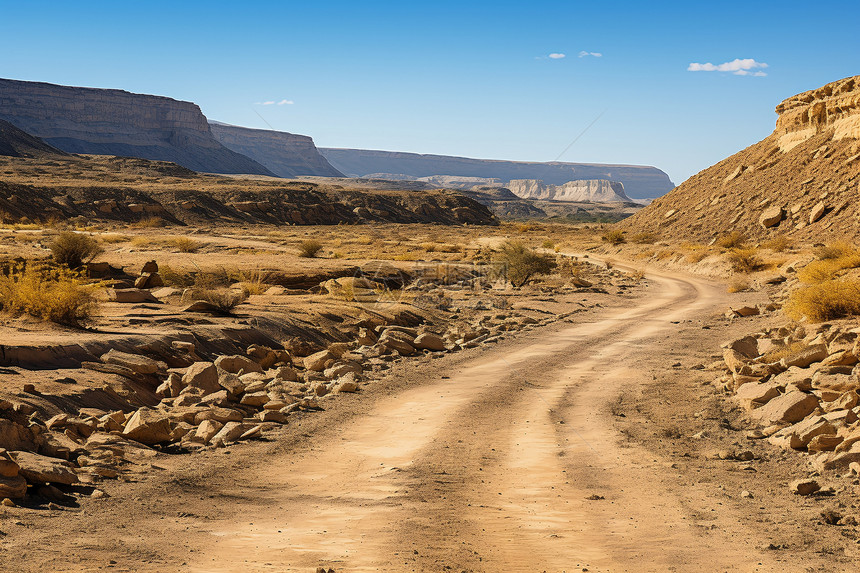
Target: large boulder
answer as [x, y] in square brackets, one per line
[203, 375]
[237, 363]
[317, 362]
[136, 362]
[429, 341]
[771, 217]
[788, 408]
[42, 469]
[148, 426]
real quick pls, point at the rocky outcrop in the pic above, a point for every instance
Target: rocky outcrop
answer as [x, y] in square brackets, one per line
[835, 106]
[116, 122]
[801, 181]
[594, 190]
[17, 143]
[640, 182]
[284, 154]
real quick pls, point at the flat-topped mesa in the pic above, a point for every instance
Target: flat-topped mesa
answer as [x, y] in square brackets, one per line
[285, 154]
[640, 181]
[116, 122]
[834, 106]
[594, 190]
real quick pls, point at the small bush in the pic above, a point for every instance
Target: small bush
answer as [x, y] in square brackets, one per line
[832, 260]
[149, 223]
[186, 244]
[548, 244]
[615, 237]
[828, 300]
[310, 249]
[526, 227]
[778, 244]
[734, 240]
[253, 282]
[55, 295]
[834, 251]
[74, 249]
[175, 278]
[522, 263]
[644, 238]
[745, 260]
[225, 300]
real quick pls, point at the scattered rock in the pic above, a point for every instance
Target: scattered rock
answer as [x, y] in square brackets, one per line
[148, 426]
[41, 469]
[203, 375]
[135, 362]
[804, 486]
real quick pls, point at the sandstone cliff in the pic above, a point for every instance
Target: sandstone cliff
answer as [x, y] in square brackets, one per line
[595, 190]
[801, 181]
[640, 182]
[115, 122]
[284, 154]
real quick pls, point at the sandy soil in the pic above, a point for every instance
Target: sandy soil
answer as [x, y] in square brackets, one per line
[565, 449]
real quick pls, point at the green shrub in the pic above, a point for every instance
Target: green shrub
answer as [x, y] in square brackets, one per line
[522, 263]
[74, 249]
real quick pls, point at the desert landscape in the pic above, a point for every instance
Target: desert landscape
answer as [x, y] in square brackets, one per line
[223, 348]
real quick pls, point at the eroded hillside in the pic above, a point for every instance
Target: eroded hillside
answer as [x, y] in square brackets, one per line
[801, 181]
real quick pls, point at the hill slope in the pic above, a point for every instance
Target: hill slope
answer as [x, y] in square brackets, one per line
[800, 181]
[640, 182]
[284, 154]
[116, 122]
[17, 143]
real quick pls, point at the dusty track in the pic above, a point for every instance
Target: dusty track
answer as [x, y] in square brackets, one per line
[489, 470]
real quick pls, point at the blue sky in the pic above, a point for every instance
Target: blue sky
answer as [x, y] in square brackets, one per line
[459, 78]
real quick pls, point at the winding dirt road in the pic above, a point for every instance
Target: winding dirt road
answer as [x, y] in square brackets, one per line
[500, 466]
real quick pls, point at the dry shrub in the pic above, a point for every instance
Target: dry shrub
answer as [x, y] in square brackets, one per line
[56, 295]
[828, 300]
[734, 240]
[223, 299]
[522, 263]
[74, 249]
[644, 238]
[614, 237]
[310, 248]
[149, 223]
[745, 260]
[186, 244]
[778, 244]
[548, 244]
[781, 352]
[429, 247]
[831, 260]
[112, 238]
[527, 227]
[834, 251]
[253, 282]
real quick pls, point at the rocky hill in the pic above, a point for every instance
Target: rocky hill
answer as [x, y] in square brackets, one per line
[115, 122]
[284, 154]
[801, 181]
[105, 188]
[596, 190]
[17, 143]
[640, 182]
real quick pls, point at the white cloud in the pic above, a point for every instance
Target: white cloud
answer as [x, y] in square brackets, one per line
[737, 66]
[273, 102]
[583, 53]
[556, 56]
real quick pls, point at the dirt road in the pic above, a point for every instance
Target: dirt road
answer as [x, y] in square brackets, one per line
[515, 458]
[490, 469]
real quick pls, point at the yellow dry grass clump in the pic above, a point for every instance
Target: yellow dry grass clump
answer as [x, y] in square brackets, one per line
[56, 295]
[826, 300]
[831, 260]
